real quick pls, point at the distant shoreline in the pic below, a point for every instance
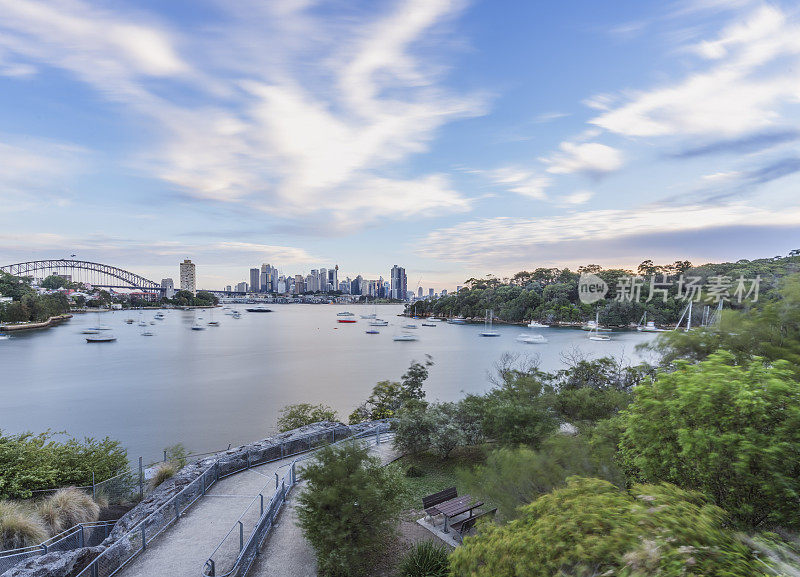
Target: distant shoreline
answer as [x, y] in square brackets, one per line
[52, 321]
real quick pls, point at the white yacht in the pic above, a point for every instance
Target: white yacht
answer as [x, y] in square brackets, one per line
[404, 337]
[535, 339]
[646, 326]
[107, 338]
[594, 333]
[379, 323]
[488, 324]
[537, 325]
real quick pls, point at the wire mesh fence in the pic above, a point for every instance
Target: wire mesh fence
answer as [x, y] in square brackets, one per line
[82, 535]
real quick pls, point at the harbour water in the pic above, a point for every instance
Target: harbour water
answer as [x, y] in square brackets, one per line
[227, 384]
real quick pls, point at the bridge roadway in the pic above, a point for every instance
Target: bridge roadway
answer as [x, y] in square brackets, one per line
[182, 550]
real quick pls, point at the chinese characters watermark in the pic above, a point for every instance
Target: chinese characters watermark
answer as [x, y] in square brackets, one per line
[631, 288]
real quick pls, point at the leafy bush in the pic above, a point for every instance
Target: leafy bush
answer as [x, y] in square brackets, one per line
[163, 472]
[348, 507]
[426, 559]
[66, 508]
[732, 432]
[31, 462]
[177, 454]
[414, 472]
[515, 476]
[295, 416]
[591, 527]
[389, 396]
[19, 526]
[440, 428]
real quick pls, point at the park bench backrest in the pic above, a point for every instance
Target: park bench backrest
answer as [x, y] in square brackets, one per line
[440, 497]
[469, 523]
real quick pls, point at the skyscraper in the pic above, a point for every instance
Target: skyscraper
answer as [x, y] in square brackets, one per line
[169, 287]
[255, 280]
[399, 284]
[430, 293]
[188, 277]
[419, 293]
[323, 280]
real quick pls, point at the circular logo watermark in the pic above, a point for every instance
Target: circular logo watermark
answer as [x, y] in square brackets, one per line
[591, 288]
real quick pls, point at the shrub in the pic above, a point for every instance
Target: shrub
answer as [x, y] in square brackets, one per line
[66, 508]
[388, 397]
[426, 559]
[729, 431]
[512, 477]
[414, 472]
[177, 454]
[348, 507]
[440, 427]
[19, 527]
[31, 462]
[163, 472]
[591, 527]
[294, 416]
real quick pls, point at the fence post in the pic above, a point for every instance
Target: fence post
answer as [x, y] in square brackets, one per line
[144, 539]
[94, 493]
[94, 569]
[276, 481]
[262, 503]
[81, 538]
[165, 455]
[377, 437]
[241, 536]
[141, 479]
[294, 473]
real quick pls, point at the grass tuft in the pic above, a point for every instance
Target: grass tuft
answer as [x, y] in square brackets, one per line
[426, 559]
[20, 526]
[66, 508]
[163, 472]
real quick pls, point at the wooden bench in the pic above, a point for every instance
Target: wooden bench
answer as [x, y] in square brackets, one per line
[463, 527]
[429, 503]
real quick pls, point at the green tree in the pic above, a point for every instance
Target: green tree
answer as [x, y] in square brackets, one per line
[295, 416]
[590, 527]
[389, 396]
[730, 431]
[53, 282]
[348, 508]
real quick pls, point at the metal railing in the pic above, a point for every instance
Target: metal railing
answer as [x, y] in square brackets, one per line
[81, 535]
[249, 543]
[137, 539]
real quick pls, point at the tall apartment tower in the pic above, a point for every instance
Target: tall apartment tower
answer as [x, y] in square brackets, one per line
[323, 280]
[188, 277]
[399, 283]
[255, 280]
[168, 287]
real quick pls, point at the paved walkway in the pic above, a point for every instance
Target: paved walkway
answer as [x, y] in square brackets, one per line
[287, 553]
[182, 550]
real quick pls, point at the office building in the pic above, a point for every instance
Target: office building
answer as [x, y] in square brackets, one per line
[241, 287]
[419, 293]
[323, 280]
[168, 287]
[430, 293]
[228, 289]
[299, 284]
[255, 280]
[399, 283]
[444, 292]
[188, 282]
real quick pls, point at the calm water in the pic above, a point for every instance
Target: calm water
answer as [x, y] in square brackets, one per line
[227, 384]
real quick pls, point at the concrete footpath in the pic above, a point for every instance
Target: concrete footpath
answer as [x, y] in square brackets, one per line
[182, 550]
[287, 553]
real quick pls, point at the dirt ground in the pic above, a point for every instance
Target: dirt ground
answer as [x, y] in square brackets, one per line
[408, 534]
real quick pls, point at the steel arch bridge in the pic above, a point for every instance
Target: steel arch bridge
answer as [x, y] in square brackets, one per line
[94, 273]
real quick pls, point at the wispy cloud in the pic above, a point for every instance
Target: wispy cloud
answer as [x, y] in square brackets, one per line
[591, 158]
[745, 144]
[281, 120]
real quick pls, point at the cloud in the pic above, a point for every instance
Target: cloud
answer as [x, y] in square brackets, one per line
[576, 198]
[281, 106]
[590, 158]
[520, 181]
[742, 89]
[749, 143]
[515, 241]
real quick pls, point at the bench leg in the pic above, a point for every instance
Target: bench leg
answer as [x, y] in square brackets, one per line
[446, 524]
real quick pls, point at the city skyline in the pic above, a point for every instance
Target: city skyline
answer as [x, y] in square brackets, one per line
[461, 144]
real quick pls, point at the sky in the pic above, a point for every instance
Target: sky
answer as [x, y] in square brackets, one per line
[454, 138]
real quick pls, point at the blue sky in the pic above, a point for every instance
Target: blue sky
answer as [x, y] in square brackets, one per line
[455, 138]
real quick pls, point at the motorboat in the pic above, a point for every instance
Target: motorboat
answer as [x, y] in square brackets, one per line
[457, 321]
[107, 338]
[259, 310]
[213, 323]
[142, 324]
[4, 337]
[488, 325]
[404, 337]
[148, 334]
[379, 323]
[537, 325]
[410, 326]
[159, 316]
[197, 327]
[90, 332]
[129, 321]
[369, 316]
[345, 314]
[428, 324]
[534, 339]
[646, 326]
[373, 332]
[434, 319]
[346, 320]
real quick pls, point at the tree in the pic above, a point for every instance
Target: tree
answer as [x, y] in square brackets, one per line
[389, 396]
[295, 416]
[53, 282]
[731, 431]
[591, 527]
[439, 427]
[348, 508]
